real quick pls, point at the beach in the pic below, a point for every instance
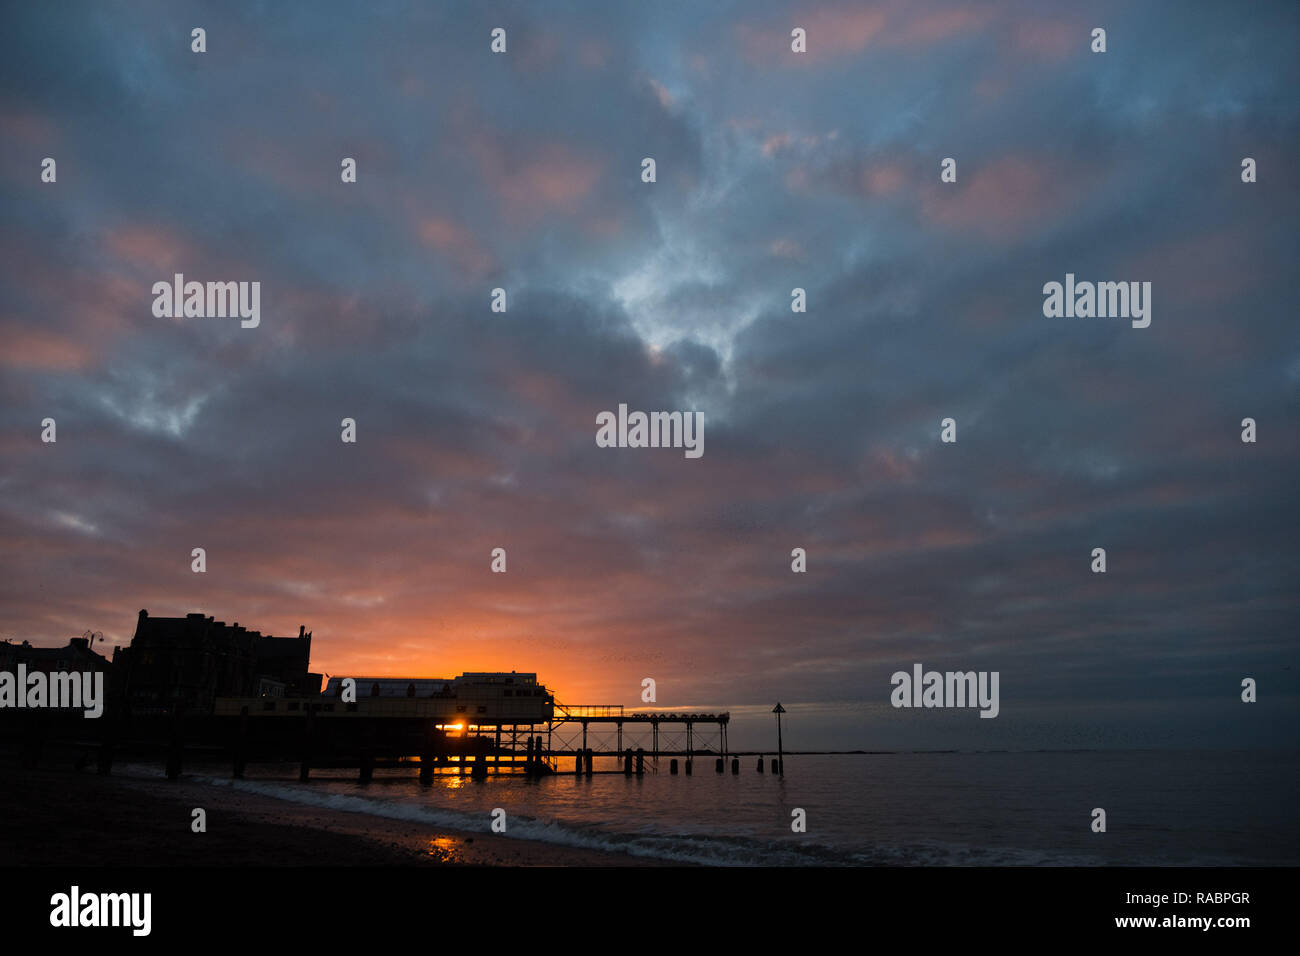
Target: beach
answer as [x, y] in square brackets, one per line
[65, 817]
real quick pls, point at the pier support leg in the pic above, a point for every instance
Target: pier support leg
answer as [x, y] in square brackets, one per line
[427, 755]
[176, 747]
[304, 769]
[241, 746]
[108, 744]
[367, 771]
[34, 740]
[481, 747]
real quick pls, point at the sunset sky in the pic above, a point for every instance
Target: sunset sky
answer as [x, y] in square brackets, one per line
[775, 170]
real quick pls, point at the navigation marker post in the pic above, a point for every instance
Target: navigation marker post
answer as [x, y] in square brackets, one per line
[780, 752]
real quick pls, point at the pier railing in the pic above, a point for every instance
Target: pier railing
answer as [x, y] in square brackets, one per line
[589, 710]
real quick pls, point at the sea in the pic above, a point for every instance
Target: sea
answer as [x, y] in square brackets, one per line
[1162, 808]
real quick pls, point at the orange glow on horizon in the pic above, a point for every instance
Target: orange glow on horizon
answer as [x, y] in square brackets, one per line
[460, 644]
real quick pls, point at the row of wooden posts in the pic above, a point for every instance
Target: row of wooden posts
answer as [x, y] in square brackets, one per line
[432, 754]
[636, 759]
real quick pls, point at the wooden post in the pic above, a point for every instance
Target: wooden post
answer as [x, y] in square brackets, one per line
[108, 743]
[481, 746]
[426, 755]
[241, 745]
[304, 768]
[367, 770]
[778, 765]
[34, 739]
[176, 747]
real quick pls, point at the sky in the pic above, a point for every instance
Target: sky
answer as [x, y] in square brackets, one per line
[775, 170]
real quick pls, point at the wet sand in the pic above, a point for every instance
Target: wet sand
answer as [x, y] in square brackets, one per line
[65, 817]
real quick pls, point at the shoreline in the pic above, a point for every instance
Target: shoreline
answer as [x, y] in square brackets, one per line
[55, 817]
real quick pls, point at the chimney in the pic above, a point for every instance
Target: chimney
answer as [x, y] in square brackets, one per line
[301, 628]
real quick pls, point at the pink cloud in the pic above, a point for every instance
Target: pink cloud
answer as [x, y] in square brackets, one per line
[775, 143]
[883, 179]
[41, 349]
[940, 25]
[594, 53]
[843, 30]
[458, 243]
[833, 31]
[605, 225]
[22, 125]
[1050, 39]
[1209, 268]
[149, 247]
[786, 249]
[535, 178]
[999, 200]
[837, 30]
[661, 94]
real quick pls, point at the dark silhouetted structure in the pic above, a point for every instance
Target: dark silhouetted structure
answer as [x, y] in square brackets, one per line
[188, 662]
[77, 656]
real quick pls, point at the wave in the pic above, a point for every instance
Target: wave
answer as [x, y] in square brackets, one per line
[675, 848]
[685, 848]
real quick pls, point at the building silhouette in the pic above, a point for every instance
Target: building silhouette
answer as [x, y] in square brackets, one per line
[76, 656]
[188, 662]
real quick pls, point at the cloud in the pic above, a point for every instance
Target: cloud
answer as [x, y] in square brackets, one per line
[476, 429]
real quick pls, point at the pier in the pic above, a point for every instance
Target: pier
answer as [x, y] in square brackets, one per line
[609, 731]
[192, 689]
[318, 734]
[404, 732]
